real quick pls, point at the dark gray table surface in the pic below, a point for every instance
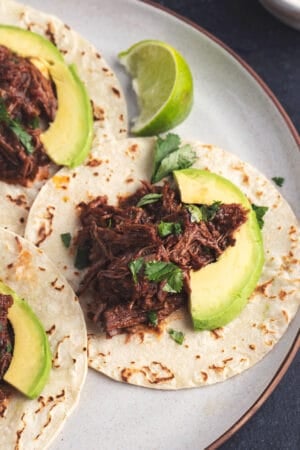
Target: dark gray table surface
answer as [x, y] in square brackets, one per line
[272, 49]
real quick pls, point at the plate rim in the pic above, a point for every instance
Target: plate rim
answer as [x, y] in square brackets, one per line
[295, 347]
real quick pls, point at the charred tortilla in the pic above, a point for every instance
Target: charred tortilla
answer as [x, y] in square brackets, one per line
[153, 359]
[109, 108]
[28, 423]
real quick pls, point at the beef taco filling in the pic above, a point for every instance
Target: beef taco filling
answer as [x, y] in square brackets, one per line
[27, 105]
[6, 344]
[139, 253]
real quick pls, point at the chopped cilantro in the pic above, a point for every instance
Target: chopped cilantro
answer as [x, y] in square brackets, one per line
[260, 211]
[66, 239]
[180, 158]
[195, 212]
[149, 198]
[165, 271]
[153, 318]
[203, 212]
[35, 123]
[81, 258]
[278, 180]
[135, 266]
[209, 211]
[177, 336]
[16, 128]
[167, 228]
[9, 348]
[165, 146]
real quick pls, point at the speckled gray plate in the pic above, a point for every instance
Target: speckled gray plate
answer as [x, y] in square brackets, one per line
[232, 110]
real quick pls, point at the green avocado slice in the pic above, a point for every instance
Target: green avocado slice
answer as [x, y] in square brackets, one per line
[30, 366]
[220, 290]
[68, 139]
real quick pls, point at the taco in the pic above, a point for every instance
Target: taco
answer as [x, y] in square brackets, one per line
[34, 419]
[58, 97]
[64, 221]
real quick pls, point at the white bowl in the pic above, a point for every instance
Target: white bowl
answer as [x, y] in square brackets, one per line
[288, 11]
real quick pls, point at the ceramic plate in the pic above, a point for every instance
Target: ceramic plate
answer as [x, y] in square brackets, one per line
[232, 110]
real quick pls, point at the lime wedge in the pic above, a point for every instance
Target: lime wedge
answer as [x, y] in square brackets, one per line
[163, 84]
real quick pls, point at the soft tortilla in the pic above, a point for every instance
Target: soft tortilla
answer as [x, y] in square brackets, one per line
[110, 114]
[155, 360]
[33, 424]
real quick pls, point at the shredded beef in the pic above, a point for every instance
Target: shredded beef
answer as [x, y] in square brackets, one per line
[6, 341]
[114, 236]
[28, 96]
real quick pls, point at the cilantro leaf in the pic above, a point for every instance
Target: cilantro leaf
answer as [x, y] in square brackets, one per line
[182, 158]
[35, 123]
[260, 211]
[209, 211]
[177, 336]
[135, 266]
[149, 198]
[9, 348]
[66, 239]
[164, 146]
[153, 318]
[165, 271]
[195, 212]
[278, 180]
[203, 212]
[174, 281]
[24, 137]
[167, 228]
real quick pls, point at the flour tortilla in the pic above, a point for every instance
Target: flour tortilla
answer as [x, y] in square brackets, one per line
[206, 357]
[32, 424]
[110, 113]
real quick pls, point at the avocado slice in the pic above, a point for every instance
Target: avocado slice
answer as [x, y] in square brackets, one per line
[68, 139]
[220, 290]
[30, 366]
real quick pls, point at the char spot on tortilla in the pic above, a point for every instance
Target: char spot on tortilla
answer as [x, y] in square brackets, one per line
[265, 329]
[245, 179]
[204, 375]
[98, 112]
[56, 286]
[216, 368]
[226, 360]
[19, 200]
[252, 347]
[50, 33]
[285, 315]
[94, 162]
[46, 228]
[20, 432]
[155, 373]
[51, 330]
[56, 356]
[217, 333]
[262, 288]
[129, 180]
[116, 91]
[19, 244]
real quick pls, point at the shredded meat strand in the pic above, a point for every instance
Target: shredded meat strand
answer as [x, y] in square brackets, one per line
[6, 342]
[28, 96]
[116, 235]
